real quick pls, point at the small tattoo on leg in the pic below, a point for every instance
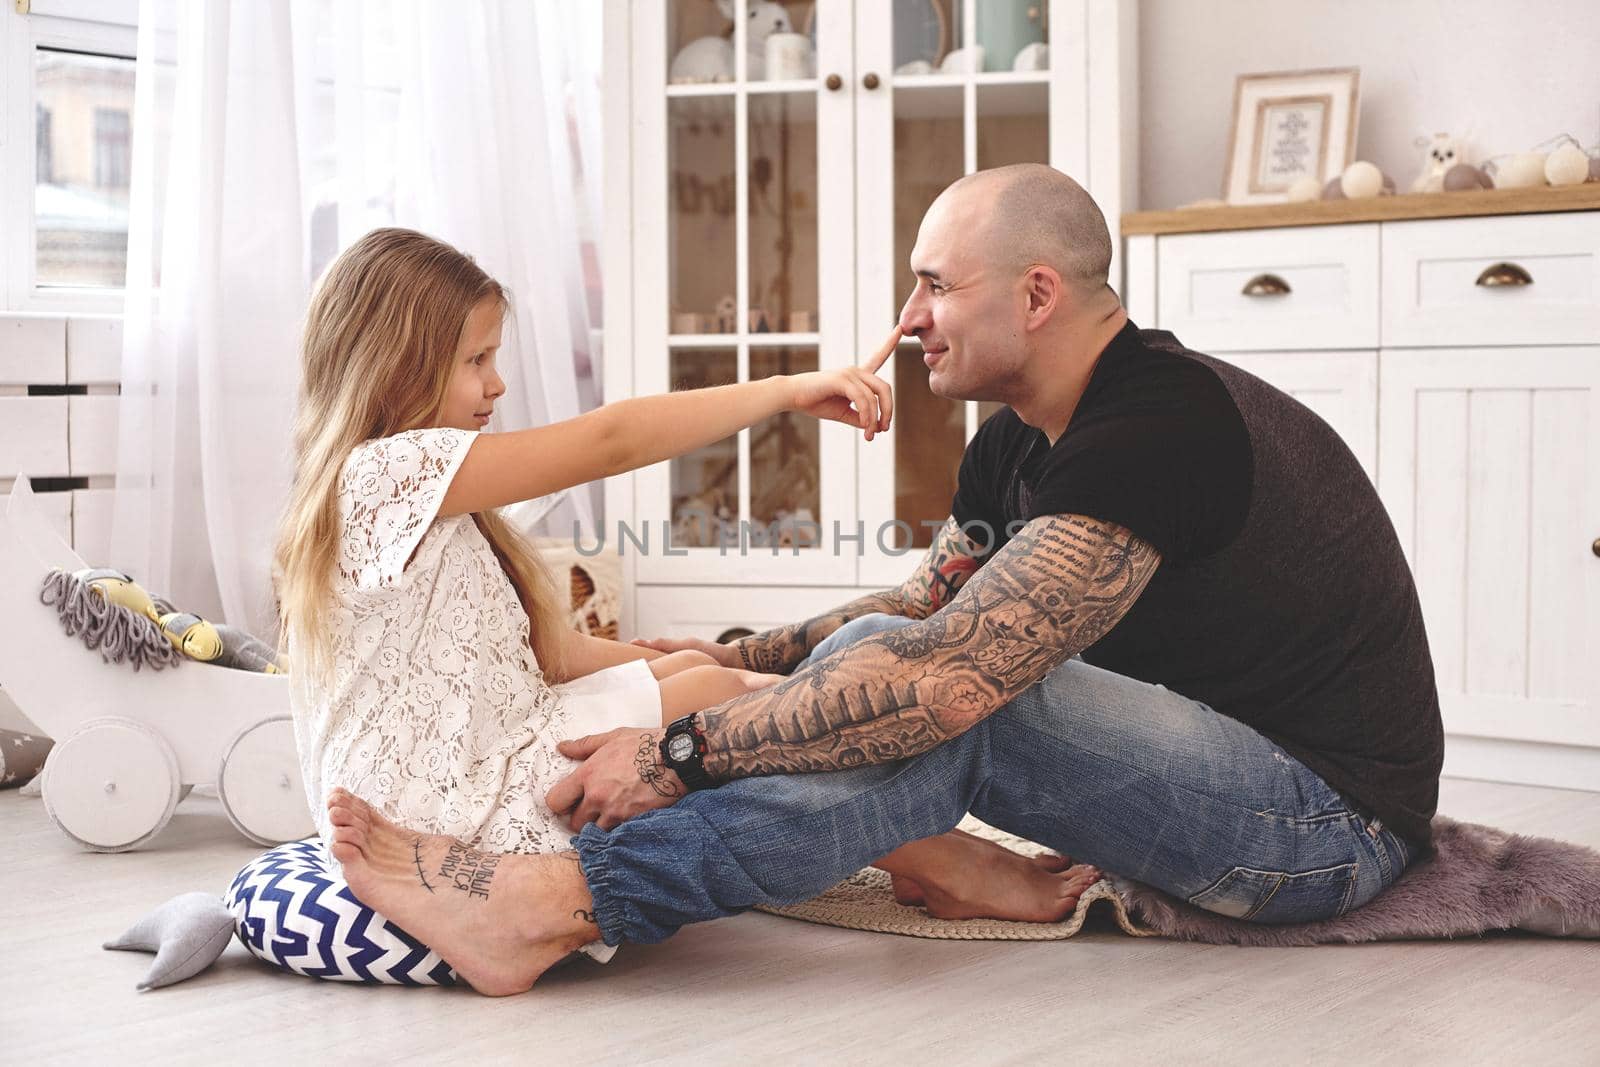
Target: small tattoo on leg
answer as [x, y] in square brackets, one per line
[469, 870]
[586, 916]
[416, 847]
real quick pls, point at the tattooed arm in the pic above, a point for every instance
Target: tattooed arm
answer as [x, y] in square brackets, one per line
[1052, 591]
[951, 560]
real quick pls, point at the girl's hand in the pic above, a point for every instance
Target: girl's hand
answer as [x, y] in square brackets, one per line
[727, 655]
[855, 396]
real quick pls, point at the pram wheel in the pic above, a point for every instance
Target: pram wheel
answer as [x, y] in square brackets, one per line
[260, 784]
[112, 784]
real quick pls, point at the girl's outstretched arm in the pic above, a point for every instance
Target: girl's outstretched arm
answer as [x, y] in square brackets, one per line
[503, 468]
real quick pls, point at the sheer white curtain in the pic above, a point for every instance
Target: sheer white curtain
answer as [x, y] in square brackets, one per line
[291, 130]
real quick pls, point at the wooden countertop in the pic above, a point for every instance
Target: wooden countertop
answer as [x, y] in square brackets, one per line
[1585, 197]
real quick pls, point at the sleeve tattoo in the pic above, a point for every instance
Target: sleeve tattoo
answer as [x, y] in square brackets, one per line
[951, 560]
[1055, 589]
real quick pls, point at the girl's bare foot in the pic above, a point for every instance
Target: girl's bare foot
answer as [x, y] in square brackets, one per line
[500, 920]
[958, 876]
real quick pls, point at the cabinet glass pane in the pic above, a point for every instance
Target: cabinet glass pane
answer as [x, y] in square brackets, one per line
[701, 47]
[700, 217]
[930, 431]
[705, 483]
[783, 213]
[1013, 124]
[930, 435]
[699, 43]
[925, 32]
[1012, 34]
[929, 154]
[785, 469]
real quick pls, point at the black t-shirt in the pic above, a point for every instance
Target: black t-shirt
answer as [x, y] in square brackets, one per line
[1283, 599]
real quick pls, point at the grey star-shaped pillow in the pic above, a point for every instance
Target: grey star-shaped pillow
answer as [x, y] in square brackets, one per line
[187, 934]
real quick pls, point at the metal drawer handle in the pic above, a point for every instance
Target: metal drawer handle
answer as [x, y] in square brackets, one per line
[1595, 548]
[833, 83]
[1498, 274]
[1266, 285]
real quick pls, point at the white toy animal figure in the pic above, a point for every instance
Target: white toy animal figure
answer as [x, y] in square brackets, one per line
[710, 59]
[1443, 152]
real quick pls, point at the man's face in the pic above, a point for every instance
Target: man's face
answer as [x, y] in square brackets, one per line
[966, 311]
[474, 383]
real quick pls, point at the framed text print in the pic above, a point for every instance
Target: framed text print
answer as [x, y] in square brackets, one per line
[1289, 125]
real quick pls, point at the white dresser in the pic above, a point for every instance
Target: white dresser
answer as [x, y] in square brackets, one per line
[1460, 360]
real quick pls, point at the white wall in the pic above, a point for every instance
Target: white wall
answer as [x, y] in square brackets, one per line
[1509, 73]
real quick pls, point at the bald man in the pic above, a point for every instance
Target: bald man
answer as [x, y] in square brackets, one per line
[1168, 629]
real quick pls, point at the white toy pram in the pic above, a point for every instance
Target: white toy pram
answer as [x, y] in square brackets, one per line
[130, 745]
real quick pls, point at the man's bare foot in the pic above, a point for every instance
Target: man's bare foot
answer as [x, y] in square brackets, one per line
[500, 920]
[907, 891]
[958, 876]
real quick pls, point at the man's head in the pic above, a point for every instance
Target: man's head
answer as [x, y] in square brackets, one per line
[1005, 259]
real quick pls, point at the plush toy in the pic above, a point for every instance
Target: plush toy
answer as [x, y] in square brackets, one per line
[710, 58]
[113, 615]
[118, 618]
[1443, 152]
[218, 643]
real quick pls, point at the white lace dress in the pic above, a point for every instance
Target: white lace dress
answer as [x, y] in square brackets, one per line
[439, 714]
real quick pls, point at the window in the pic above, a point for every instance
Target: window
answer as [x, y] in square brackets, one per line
[41, 142]
[113, 148]
[66, 153]
[82, 168]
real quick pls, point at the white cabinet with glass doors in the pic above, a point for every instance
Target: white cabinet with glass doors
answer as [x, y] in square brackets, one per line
[761, 226]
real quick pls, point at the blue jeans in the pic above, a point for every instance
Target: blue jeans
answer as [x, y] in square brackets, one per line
[1130, 777]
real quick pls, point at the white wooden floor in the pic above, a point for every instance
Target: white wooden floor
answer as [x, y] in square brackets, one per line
[768, 990]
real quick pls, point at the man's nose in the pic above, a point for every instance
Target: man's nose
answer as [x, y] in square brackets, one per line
[915, 315]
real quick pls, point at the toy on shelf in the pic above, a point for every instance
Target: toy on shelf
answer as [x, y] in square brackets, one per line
[1443, 152]
[130, 744]
[710, 58]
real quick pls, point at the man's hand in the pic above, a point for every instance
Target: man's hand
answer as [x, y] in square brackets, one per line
[622, 776]
[727, 655]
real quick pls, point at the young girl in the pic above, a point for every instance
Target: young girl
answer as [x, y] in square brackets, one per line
[433, 670]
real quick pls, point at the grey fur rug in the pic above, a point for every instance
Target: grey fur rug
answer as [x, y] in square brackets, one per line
[1478, 879]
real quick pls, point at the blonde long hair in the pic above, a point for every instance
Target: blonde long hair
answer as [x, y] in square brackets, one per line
[380, 342]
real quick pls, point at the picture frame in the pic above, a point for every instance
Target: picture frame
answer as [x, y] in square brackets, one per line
[1288, 125]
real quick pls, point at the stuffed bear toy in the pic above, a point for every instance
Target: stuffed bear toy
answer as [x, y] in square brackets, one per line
[710, 59]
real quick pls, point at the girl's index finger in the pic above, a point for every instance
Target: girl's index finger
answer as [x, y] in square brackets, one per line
[883, 354]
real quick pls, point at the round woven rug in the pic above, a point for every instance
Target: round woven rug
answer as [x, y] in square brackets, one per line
[865, 901]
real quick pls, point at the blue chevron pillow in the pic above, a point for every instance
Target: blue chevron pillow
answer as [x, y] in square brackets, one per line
[292, 908]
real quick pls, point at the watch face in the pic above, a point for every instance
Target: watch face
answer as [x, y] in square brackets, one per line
[680, 748]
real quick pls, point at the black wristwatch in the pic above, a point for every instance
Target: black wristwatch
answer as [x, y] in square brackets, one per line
[684, 750]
